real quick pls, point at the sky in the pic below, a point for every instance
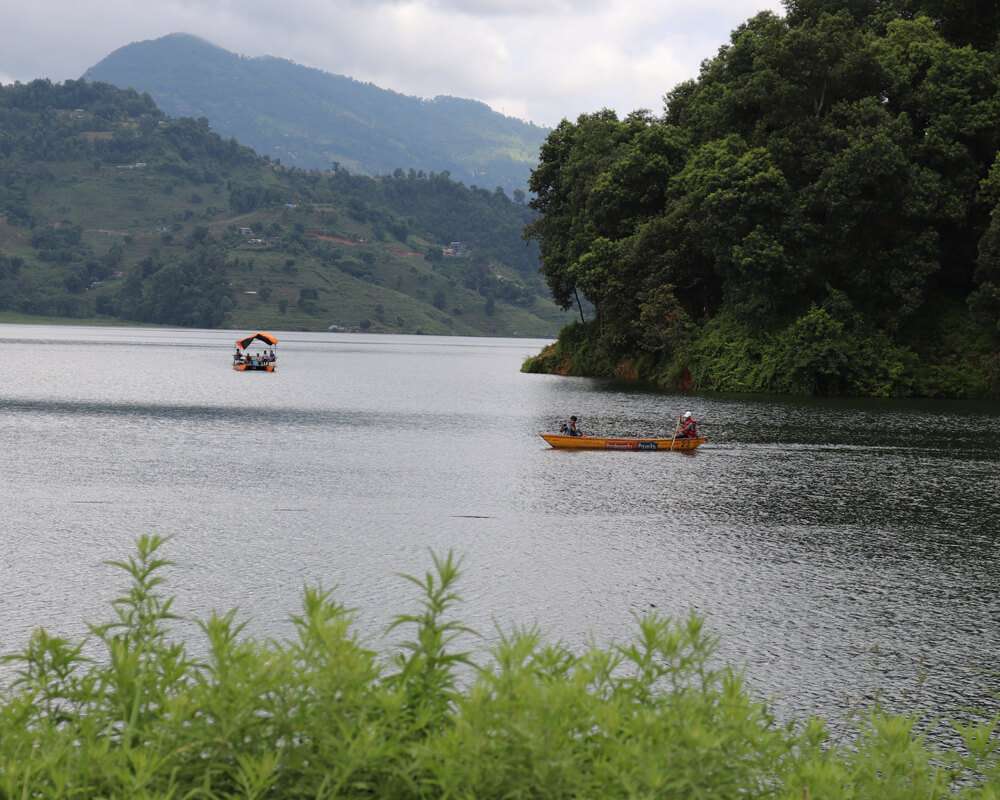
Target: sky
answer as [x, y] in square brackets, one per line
[541, 60]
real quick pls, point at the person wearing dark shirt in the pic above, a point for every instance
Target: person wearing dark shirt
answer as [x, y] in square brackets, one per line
[570, 428]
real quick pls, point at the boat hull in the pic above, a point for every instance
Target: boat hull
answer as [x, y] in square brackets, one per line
[561, 442]
[251, 368]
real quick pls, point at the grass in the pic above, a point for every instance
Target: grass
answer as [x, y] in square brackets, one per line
[322, 716]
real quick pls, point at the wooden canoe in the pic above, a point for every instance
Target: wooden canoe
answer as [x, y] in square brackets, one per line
[608, 443]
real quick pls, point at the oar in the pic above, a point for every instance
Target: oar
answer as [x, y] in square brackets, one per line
[676, 426]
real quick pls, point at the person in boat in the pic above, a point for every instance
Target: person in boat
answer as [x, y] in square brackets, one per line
[689, 427]
[570, 428]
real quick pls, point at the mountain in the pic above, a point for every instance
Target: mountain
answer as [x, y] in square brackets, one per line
[109, 207]
[309, 118]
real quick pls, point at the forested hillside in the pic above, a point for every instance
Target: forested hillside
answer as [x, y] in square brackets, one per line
[110, 208]
[816, 213]
[309, 118]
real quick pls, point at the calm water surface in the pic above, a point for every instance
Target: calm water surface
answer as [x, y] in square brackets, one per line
[842, 550]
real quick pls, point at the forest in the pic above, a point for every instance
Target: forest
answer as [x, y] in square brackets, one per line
[818, 212]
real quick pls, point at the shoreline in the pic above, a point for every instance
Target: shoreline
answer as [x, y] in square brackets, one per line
[687, 373]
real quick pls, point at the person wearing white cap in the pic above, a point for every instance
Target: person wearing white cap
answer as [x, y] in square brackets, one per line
[689, 427]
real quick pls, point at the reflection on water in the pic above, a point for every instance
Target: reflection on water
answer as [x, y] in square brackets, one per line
[841, 549]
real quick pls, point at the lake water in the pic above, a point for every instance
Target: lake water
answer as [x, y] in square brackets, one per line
[842, 550]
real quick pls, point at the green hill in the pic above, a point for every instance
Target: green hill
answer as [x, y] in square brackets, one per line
[109, 207]
[311, 119]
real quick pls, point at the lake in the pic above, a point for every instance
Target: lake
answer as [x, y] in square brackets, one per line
[843, 550]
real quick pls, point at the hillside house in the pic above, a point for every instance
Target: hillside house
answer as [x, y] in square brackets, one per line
[455, 250]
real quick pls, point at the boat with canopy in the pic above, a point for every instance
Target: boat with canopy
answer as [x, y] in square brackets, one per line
[563, 442]
[250, 356]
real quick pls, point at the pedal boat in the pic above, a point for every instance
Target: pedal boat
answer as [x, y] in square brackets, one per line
[245, 361]
[562, 442]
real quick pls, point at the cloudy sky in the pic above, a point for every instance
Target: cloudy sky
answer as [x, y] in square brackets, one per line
[537, 59]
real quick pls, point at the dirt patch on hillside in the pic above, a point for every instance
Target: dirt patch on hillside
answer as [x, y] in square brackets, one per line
[325, 237]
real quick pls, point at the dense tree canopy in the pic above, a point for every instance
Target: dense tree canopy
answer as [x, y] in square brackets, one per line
[836, 165]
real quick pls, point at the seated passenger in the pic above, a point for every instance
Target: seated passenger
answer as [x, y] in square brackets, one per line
[569, 428]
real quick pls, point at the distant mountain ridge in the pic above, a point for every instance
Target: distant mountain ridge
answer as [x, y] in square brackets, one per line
[309, 118]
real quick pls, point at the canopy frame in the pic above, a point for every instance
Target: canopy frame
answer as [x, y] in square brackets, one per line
[246, 341]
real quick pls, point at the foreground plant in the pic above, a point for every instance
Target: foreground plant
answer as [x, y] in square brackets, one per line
[321, 716]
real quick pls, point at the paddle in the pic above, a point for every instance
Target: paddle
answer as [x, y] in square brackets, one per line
[676, 426]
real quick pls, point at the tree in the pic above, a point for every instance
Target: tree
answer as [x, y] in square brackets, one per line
[834, 153]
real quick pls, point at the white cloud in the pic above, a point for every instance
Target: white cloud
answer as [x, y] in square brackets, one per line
[539, 59]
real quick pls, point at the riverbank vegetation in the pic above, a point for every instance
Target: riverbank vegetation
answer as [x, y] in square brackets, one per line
[133, 713]
[817, 213]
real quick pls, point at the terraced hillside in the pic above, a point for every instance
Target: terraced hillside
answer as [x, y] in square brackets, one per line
[109, 208]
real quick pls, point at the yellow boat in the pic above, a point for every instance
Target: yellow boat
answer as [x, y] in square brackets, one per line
[561, 442]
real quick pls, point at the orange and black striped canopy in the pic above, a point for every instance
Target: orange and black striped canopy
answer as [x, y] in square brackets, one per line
[246, 341]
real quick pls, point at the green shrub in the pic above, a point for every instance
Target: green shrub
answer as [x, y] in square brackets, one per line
[726, 357]
[824, 352]
[321, 716]
[579, 350]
